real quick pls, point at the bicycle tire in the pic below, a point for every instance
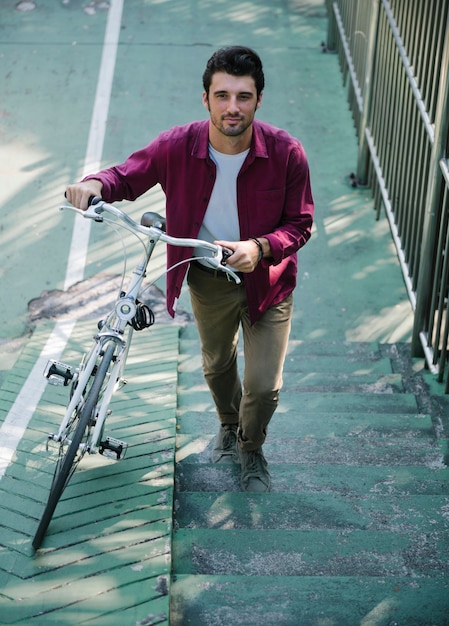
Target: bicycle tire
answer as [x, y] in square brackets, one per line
[65, 469]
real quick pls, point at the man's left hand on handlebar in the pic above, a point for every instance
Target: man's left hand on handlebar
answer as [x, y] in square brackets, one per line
[246, 254]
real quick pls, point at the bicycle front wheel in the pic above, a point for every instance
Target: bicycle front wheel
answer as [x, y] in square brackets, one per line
[81, 424]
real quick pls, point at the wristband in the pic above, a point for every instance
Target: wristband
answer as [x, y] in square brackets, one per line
[259, 245]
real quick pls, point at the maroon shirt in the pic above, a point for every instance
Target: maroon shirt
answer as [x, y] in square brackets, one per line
[274, 200]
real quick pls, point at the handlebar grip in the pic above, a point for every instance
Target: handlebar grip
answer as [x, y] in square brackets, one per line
[92, 199]
[225, 254]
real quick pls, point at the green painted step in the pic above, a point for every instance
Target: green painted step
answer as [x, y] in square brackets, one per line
[299, 347]
[354, 451]
[365, 380]
[197, 398]
[308, 601]
[309, 511]
[342, 480]
[319, 352]
[322, 424]
[310, 553]
[343, 372]
[332, 374]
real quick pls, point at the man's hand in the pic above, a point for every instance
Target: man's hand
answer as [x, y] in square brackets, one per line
[79, 193]
[245, 256]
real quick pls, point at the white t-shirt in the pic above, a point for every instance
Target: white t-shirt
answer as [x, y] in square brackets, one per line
[221, 220]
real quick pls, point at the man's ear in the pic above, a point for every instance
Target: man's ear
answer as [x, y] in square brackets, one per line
[259, 101]
[205, 100]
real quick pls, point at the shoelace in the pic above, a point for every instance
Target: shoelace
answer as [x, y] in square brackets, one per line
[255, 465]
[229, 440]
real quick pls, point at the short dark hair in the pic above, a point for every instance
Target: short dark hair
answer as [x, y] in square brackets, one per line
[237, 61]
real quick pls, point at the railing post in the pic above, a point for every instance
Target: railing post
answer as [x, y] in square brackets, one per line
[363, 155]
[431, 216]
[331, 42]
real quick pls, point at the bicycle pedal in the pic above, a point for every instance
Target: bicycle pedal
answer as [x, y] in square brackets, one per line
[111, 446]
[58, 373]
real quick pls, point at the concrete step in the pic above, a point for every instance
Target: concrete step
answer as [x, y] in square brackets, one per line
[416, 514]
[339, 480]
[356, 520]
[326, 552]
[350, 451]
[321, 424]
[335, 372]
[309, 601]
[197, 398]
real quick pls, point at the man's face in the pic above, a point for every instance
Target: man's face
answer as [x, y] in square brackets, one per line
[232, 102]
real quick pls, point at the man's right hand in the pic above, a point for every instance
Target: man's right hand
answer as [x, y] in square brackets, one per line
[79, 193]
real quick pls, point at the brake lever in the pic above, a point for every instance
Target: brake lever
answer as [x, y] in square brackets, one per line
[94, 212]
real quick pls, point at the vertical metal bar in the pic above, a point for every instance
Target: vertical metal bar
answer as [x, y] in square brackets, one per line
[437, 56]
[438, 294]
[347, 55]
[426, 64]
[404, 165]
[433, 198]
[413, 185]
[363, 156]
[419, 202]
[381, 137]
[331, 41]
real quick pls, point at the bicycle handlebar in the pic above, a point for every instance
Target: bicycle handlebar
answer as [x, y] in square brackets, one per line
[220, 254]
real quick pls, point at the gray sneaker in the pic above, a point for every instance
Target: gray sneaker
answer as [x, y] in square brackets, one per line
[255, 475]
[225, 445]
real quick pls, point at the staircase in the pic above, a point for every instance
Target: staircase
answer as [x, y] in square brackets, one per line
[355, 529]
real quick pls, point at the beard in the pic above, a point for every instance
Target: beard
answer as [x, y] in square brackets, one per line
[231, 126]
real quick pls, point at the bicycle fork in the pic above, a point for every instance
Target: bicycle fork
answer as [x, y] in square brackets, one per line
[59, 373]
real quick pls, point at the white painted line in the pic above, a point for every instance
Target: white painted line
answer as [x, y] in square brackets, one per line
[25, 404]
[18, 418]
[81, 229]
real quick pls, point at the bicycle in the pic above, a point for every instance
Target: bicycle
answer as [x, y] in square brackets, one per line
[100, 372]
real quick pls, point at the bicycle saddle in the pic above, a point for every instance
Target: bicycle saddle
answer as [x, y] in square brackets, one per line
[153, 219]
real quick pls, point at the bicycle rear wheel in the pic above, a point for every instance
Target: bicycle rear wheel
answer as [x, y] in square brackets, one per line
[74, 447]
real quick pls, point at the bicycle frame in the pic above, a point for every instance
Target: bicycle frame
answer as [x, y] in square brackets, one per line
[115, 328]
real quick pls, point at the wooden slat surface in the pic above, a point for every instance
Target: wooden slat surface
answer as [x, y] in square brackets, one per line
[107, 549]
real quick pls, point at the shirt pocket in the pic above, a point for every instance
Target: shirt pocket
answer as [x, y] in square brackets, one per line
[269, 208]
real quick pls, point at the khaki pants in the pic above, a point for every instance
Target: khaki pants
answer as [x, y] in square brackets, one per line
[220, 308]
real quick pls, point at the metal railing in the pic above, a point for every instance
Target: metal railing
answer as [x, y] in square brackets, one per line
[394, 55]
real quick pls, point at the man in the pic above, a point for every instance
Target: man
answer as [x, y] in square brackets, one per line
[244, 184]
